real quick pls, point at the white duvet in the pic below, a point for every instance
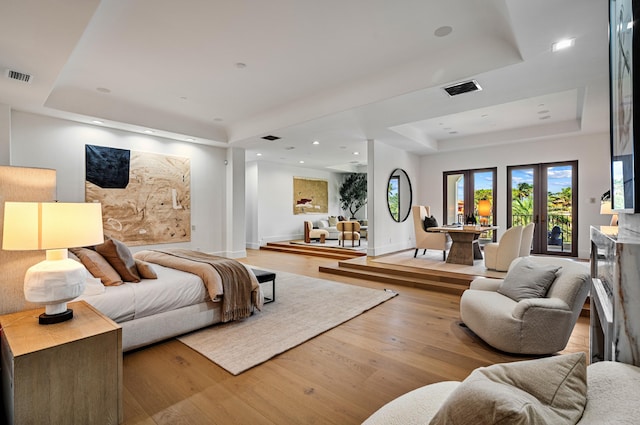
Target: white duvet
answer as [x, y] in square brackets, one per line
[172, 290]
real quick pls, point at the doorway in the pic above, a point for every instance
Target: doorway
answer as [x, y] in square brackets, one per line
[471, 192]
[545, 194]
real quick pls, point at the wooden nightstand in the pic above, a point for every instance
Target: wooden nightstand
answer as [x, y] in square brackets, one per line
[65, 373]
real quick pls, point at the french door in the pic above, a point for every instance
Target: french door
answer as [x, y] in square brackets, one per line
[470, 192]
[546, 194]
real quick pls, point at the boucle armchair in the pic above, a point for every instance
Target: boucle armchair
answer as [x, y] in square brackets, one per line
[499, 255]
[311, 233]
[536, 323]
[428, 240]
[611, 398]
[349, 231]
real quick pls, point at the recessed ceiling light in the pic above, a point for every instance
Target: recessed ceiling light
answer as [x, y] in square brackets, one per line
[544, 111]
[443, 31]
[545, 117]
[356, 153]
[315, 142]
[301, 162]
[148, 131]
[563, 44]
[97, 122]
[103, 90]
[258, 154]
[218, 119]
[241, 65]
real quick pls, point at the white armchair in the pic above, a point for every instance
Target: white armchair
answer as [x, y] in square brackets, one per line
[539, 325]
[428, 240]
[499, 255]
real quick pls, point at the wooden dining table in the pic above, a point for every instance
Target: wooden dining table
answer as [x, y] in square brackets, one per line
[465, 247]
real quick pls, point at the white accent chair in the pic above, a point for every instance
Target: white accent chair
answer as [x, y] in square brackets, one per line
[531, 325]
[349, 231]
[499, 255]
[527, 239]
[611, 399]
[428, 240]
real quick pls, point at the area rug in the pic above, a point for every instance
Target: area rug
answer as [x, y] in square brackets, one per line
[304, 308]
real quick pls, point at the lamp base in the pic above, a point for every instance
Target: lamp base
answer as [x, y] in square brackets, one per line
[49, 319]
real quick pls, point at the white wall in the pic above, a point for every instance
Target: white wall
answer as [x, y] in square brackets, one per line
[38, 141]
[5, 134]
[591, 151]
[388, 235]
[271, 217]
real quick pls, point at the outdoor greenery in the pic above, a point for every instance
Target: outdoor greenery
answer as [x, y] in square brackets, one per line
[353, 193]
[559, 206]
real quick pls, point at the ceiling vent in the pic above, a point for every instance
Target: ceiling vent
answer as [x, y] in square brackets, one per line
[20, 76]
[464, 87]
[270, 137]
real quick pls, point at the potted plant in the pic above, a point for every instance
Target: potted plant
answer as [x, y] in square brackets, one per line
[353, 193]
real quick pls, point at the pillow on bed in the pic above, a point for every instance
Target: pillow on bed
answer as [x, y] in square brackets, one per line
[98, 266]
[120, 257]
[145, 270]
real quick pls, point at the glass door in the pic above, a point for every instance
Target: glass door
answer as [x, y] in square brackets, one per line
[471, 193]
[545, 194]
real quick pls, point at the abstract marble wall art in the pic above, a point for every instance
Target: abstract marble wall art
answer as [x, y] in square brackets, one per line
[146, 197]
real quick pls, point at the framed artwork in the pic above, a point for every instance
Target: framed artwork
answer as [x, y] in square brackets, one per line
[622, 57]
[310, 196]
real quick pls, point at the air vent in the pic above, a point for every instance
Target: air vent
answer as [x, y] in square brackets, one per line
[270, 137]
[20, 76]
[464, 87]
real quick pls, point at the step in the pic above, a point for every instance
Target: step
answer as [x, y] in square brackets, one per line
[337, 254]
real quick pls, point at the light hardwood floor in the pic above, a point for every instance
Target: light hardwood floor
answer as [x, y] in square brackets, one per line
[339, 377]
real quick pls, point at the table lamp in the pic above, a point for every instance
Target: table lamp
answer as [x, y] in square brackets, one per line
[484, 211]
[605, 209]
[54, 226]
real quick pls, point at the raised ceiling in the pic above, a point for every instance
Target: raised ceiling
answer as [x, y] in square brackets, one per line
[227, 73]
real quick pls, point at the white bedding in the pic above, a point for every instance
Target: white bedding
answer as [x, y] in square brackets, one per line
[172, 290]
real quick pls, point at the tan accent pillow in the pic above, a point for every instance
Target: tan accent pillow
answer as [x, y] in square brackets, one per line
[98, 266]
[550, 390]
[145, 270]
[120, 257]
[333, 220]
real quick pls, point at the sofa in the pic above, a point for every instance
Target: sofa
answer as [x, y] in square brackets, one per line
[530, 391]
[330, 225]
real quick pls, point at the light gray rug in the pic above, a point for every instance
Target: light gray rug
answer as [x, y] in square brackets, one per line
[304, 308]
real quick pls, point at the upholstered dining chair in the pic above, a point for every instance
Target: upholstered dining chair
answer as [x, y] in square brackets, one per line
[499, 255]
[527, 239]
[428, 240]
[349, 231]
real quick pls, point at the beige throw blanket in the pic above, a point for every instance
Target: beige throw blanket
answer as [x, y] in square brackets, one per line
[223, 277]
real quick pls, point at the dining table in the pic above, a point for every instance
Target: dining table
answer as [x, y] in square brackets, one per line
[465, 246]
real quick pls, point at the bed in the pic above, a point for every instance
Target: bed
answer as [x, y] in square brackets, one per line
[175, 302]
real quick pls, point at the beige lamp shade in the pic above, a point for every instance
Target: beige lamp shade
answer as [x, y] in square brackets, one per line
[51, 225]
[484, 208]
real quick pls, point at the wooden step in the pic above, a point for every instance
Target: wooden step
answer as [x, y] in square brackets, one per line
[452, 283]
[434, 280]
[326, 252]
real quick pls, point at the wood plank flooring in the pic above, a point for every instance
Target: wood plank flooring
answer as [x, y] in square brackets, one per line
[339, 377]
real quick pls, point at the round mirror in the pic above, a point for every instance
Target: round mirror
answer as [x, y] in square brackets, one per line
[399, 195]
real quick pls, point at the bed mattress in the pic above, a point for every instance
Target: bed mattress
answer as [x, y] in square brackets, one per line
[173, 289]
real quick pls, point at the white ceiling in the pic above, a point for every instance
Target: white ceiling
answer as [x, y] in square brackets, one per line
[339, 72]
